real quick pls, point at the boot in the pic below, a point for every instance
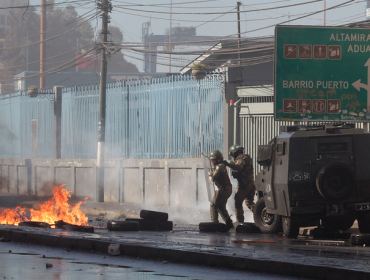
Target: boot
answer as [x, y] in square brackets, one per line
[229, 223]
[240, 215]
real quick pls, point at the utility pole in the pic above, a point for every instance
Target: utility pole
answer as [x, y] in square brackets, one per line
[27, 54]
[238, 9]
[169, 39]
[324, 12]
[106, 7]
[42, 38]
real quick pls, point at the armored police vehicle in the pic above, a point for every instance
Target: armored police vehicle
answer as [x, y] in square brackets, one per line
[314, 175]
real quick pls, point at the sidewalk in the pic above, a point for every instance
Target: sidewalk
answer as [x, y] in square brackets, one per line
[302, 257]
[185, 244]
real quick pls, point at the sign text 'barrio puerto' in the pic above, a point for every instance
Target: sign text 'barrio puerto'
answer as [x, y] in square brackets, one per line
[322, 73]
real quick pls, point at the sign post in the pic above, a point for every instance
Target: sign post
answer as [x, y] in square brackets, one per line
[322, 73]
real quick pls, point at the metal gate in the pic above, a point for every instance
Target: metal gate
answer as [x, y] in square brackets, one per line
[260, 129]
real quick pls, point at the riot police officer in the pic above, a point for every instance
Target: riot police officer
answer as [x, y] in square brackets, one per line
[243, 172]
[221, 179]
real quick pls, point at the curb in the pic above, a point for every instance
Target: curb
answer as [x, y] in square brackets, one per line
[183, 256]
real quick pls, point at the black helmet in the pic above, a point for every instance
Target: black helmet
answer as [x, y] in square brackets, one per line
[217, 155]
[235, 149]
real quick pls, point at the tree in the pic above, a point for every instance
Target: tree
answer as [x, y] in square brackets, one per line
[67, 35]
[117, 63]
[13, 55]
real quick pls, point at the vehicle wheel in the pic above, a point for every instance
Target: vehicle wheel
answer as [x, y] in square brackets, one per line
[165, 226]
[339, 223]
[267, 223]
[290, 226]
[335, 181]
[364, 222]
[247, 228]
[360, 239]
[123, 226]
[149, 225]
[213, 227]
[154, 215]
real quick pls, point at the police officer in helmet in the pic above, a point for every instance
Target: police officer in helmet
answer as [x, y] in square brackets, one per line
[221, 179]
[243, 172]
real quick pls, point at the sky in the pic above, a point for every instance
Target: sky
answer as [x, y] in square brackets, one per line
[216, 18]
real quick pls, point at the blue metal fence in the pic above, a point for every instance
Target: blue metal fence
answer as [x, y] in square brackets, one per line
[167, 117]
[155, 118]
[17, 111]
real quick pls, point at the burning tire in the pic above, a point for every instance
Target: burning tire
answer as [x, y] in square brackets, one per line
[34, 224]
[154, 215]
[335, 181]
[247, 228]
[267, 223]
[149, 225]
[165, 226]
[123, 226]
[213, 227]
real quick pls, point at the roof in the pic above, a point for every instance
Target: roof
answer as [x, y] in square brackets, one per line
[225, 53]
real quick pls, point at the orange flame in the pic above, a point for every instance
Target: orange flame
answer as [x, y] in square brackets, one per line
[55, 209]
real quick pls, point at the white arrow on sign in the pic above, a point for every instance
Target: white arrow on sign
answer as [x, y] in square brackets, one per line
[358, 85]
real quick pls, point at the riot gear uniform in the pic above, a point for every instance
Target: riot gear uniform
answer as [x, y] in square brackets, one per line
[221, 179]
[243, 172]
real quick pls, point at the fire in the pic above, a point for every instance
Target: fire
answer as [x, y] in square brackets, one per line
[55, 209]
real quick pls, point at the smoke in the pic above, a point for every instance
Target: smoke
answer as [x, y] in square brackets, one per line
[6, 140]
[187, 204]
[46, 189]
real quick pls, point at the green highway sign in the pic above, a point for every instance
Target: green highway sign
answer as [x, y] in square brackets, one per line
[322, 73]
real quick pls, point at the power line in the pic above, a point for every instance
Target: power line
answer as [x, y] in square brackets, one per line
[51, 38]
[50, 30]
[217, 13]
[46, 5]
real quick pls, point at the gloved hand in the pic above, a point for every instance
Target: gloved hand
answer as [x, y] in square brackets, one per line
[210, 176]
[226, 163]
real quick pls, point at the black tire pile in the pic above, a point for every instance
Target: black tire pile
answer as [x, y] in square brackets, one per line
[149, 221]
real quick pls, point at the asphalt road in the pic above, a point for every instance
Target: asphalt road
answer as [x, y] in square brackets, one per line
[22, 261]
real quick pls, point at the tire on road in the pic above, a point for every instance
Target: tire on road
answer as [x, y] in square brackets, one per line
[267, 223]
[247, 228]
[79, 228]
[154, 215]
[34, 224]
[360, 239]
[335, 180]
[165, 226]
[339, 223]
[213, 227]
[123, 226]
[146, 225]
[290, 226]
[363, 219]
